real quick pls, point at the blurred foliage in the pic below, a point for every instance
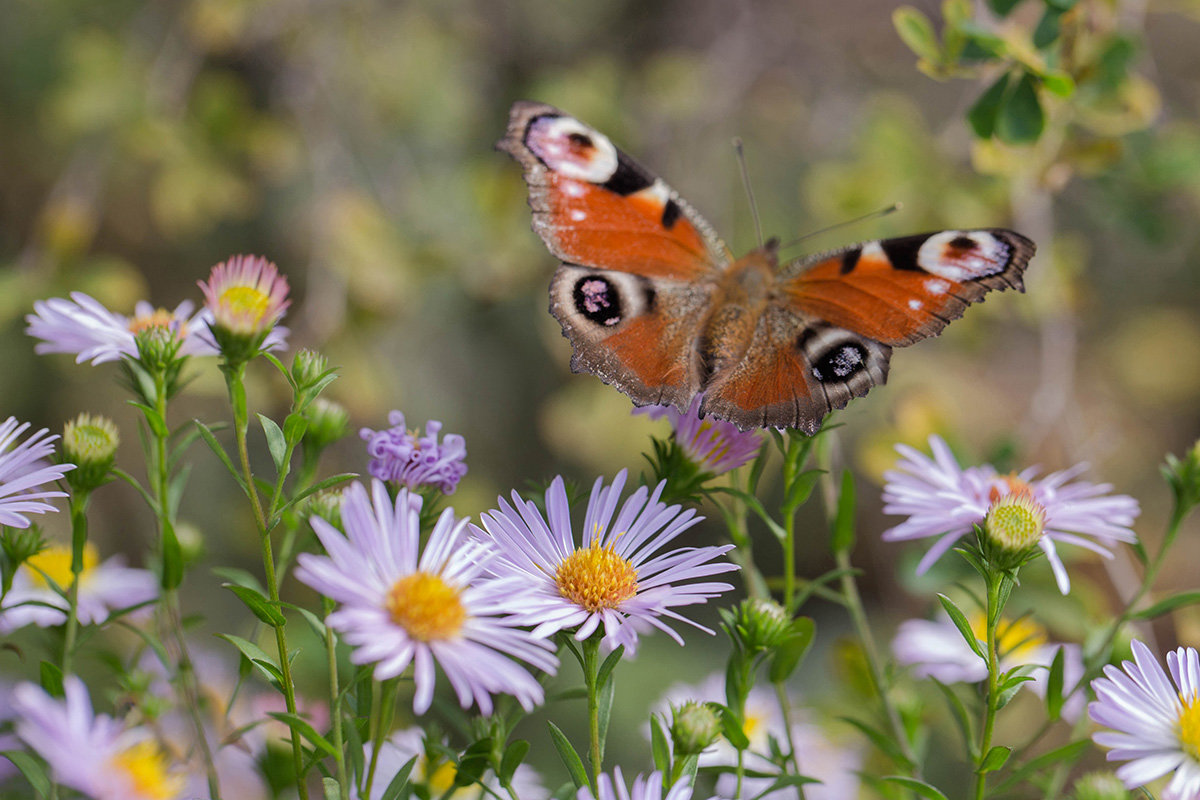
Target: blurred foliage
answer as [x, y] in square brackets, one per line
[351, 143]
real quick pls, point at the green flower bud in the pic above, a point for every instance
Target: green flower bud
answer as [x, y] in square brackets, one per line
[90, 443]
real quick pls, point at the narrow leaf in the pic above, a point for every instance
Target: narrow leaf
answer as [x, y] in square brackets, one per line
[275, 441]
[1054, 686]
[211, 440]
[792, 650]
[660, 747]
[920, 787]
[995, 758]
[960, 621]
[916, 31]
[570, 758]
[514, 754]
[300, 725]
[260, 606]
[396, 787]
[31, 769]
[1169, 604]
[843, 523]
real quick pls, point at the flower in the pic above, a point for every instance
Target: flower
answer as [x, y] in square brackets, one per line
[943, 500]
[90, 442]
[22, 473]
[437, 774]
[618, 577]
[86, 328]
[819, 757]
[246, 297]
[937, 650]
[714, 445]
[103, 588]
[402, 605]
[401, 457]
[647, 787]
[93, 753]
[1155, 725]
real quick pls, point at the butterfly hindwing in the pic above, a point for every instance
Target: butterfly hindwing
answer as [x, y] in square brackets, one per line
[595, 206]
[899, 291]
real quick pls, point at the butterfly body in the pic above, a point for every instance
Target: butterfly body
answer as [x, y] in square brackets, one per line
[654, 303]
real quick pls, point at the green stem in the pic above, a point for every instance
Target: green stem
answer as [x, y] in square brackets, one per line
[79, 534]
[993, 684]
[591, 674]
[335, 705]
[169, 610]
[235, 381]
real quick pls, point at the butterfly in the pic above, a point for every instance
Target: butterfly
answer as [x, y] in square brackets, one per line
[654, 303]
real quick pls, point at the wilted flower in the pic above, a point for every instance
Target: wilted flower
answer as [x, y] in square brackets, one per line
[103, 588]
[1155, 722]
[401, 457]
[943, 500]
[401, 604]
[93, 753]
[23, 473]
[617, 577]
[246, 297]
[714, 445]
[937, 650]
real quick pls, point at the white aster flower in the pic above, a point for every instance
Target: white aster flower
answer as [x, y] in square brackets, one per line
[24, 472]
[401, 605]
[1155, 721]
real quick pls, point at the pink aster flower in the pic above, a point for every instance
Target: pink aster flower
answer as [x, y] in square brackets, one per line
[402, 604]
[645, 787]
[943, 500]
[246, 297]
[103, 588]
[618, 576]
[24, 473]
[401, 457]
[1155, 722]
[93, 753]
[86, 328]
[714, 445]
[935, 649]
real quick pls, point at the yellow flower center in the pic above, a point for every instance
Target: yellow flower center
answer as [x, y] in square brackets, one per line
[441, 779]
[158, 318]
[147, 769]
[426, 606]
[1015, 521]
[596, 577]
[54, 563]
[245, 301]
[1189, 726]
[1016, 639]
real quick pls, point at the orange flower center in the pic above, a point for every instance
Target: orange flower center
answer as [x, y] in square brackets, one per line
[426, 606]
[1189, 726]
[159, 318]
[596, 577]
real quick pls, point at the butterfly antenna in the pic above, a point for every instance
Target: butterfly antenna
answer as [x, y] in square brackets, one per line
[883, 212]
[741, 157]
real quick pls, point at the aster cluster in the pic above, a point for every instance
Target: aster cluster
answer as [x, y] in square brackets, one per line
[402, 457]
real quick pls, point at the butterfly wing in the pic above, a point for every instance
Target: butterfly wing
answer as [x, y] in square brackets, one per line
[827, 335]
[640, 265]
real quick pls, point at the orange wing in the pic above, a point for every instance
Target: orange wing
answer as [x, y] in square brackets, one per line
[593, 205]
[899, 291]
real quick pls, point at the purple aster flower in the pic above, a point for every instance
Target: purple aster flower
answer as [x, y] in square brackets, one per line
[103, 588]
[93, 753]
[617, 576]
[401, 457]
[1155, 722]
[936, 649]
[402, 605]
[23, 473]
[86, 328]
[645, 787]
[716, 446]
[941, 499]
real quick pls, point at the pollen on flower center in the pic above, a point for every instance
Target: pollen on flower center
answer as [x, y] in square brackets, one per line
[245, 300]
[1015, 521]
[596, 577]
[426, 607]
[147, 769]
[54, 563]
[158, 318]
[1189, 726]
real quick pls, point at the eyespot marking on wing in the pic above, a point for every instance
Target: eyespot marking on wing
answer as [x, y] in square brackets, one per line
[572, 149]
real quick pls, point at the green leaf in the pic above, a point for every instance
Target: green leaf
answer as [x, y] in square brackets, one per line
[514, 754]
[331, 788]
[1058, 83]
[960, 711]
[1048, 28]
[843, 523]
[1168, 604]
[916, 31]
[1054, 686]
[266, 611]
[604, 674]
[732, 728]
[984, 113]
[604, 703]
[660, 746]
[792, 650]
[883, 741]
[294, 427]
[1003, 7]
[1066, 754]
[801, 489]
[300, 725]
[1021, 119]
[51, 678]
[995, 758]
[570, 758]
[255, 655]
[211, 440]
[397, 784]
[912, 784]
[172, 558]
[275, 441]
[960, 621]
[31, 769]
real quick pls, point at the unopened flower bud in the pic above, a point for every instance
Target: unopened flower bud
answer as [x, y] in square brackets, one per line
[694, 726]
[90, 442]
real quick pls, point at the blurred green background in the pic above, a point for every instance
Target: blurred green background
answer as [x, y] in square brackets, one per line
[351, 143]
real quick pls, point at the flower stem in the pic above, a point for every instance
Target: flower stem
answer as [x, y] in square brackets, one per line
[993, 684]
[591, 674]
[335, 705]
[235, 381]
[79, 533]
